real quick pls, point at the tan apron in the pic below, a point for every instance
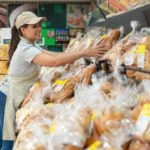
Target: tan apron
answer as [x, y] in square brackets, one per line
[18, 89]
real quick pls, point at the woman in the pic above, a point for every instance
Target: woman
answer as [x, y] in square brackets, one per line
[25, 59]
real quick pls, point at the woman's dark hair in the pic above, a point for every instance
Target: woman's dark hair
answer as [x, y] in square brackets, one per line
[15, 39]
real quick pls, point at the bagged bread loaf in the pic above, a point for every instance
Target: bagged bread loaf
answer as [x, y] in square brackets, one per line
[24, 116]
[71, 128]
[35, 135]
[136, 144]
[36, 88]
[87, 74]
[101, 122]
[110, 39]
[66, 92]
[147, 134]
[106, 87]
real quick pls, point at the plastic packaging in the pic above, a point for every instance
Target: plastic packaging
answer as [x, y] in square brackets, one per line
[34, 132]
[78, 107]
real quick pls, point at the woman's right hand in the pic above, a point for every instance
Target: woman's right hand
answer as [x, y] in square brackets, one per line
[94, 52]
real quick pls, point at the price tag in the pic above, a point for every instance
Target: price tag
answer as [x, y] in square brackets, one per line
[129, 59]
[61, 82]
[90, 118]
[53, 128]
[93, 115]
[146, 110]
[143, 120]
[142, 49]
[103, 37]
[36, 85]
[97, 144]
[50, 104]
[141, 60]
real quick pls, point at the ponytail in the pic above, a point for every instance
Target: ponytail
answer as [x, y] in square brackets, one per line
[15, 39]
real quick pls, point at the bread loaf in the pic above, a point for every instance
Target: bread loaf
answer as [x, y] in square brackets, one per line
[87, 74]
[101, 121]
[139, 145]
[66, 92]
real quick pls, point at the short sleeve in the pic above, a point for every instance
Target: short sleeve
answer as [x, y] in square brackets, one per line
[40, 48]
[31, 52]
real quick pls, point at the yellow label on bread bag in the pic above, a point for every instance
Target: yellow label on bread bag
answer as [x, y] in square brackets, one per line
[93, 116]
[90, 118]
[97, 144]
[87, 120]
[36, 85]
[61, 82]
[103, 37]
[146, 110]
[52, 128]
[142, 49]
[133, 50]
[50, 104]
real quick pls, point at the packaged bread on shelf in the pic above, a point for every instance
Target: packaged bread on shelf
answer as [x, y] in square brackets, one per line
[147, 134]
[119, 49]
[137, 110]
[106, 87]
[102, 122]
[48, 75]
[36, 92]
[143, 122]
[71, 128]
[87, 74]
[78, 107]
[142, 99]
[93, 138]
[63, 89]
[137, 144]
[26, 115]
[35, 134]
[138, 57]
[119, 137]
[110, 39]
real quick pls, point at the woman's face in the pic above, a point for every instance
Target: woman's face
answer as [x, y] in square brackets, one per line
[32, 32]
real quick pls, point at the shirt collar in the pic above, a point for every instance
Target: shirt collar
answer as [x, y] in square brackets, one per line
[26, 41]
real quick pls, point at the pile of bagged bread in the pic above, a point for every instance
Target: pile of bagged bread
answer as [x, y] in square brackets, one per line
[80, 107]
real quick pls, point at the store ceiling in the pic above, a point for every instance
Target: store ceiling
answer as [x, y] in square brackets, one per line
[47, 1]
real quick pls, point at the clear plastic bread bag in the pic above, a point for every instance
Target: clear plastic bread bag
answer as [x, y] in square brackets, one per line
[49, 74]
[34, 101]
[70, 126]
[35, 131]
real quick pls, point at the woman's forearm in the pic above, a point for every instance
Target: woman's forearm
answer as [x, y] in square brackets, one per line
[50, 53]
[67, 58]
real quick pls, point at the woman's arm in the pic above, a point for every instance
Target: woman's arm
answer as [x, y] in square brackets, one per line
[49, 60]
[50, 53]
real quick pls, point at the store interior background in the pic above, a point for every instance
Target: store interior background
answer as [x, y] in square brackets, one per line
[64, 21]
